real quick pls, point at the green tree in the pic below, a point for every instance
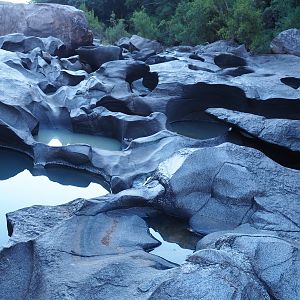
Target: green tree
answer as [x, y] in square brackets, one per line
[145, 25]
[198, 21]
[244, 23]
[95, 25]
[253, 22]
[116, 30]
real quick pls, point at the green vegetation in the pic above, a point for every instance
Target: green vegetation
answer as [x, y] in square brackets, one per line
[253, 22]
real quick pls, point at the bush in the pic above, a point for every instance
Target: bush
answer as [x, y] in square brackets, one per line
[96, 26]
[244, 24]
[252, 22]
[115, 31]
[198, 21]
[144, 25]
[292, 20]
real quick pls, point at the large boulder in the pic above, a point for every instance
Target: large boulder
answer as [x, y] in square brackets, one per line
[287, 42]
[44, 20]
[223, 46]
[137, 43]
[222, 187]
[96, 56]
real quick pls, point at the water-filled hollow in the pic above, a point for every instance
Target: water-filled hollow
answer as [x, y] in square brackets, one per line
[22, 185]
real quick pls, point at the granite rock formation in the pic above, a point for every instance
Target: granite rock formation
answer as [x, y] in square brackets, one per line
[46, 20]
[287, 42]
[245, 203]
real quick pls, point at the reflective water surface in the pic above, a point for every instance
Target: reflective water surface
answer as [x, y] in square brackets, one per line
[61, 137]
[201, 130]
[19, 188]
[177, 242]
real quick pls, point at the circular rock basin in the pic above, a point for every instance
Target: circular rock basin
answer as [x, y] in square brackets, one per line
[62, 137]
[177, 242]
[201, 130]
[19, 188]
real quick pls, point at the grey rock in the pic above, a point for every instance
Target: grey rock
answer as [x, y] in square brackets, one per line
[97, 248]
[229, 61]
[223, 46]
[158, 59]
[247, 89]
[143, 54]
[229, 188]
[287, 42]
[281, 132]
[136, 42]
[273, 261]
[60, 21]
[101, 121]
[18, 42]
[96, 56]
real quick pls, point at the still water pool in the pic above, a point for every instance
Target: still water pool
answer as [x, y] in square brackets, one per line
[201, 130]
[19, 188]
[177, 242]
[62, 137]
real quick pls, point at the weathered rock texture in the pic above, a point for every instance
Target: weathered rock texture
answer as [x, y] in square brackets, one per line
[288, 42]
[281, 132]
[44, 20]
[245, 203]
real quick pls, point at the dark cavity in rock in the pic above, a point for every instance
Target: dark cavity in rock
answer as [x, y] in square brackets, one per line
[229, 61]
[291, 81]
[280, 155]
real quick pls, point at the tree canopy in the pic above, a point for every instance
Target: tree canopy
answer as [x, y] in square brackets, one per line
[253, 22]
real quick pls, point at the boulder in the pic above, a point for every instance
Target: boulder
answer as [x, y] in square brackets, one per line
[231, 185]
[143, 54]
[44, 20]
[222, 46]
[101, 121]
[18, 42]
[138, 43]
[96, 56]
[229, 61]
[287, 42]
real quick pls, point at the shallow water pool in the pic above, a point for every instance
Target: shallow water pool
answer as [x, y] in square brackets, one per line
[62, 137]
[177, 242]
[19, 188]
[201, 130]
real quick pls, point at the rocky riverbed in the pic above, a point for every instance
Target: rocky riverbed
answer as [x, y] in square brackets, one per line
[235, 186]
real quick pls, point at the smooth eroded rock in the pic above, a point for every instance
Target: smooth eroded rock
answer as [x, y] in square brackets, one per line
[44, 20]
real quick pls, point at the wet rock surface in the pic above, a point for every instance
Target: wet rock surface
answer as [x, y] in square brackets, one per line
[245, 204]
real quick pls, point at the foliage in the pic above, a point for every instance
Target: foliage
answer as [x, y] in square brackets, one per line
[292, 20]
[198, 21]
[253, 22]
[115, 31]
[95, 25]
[244, 23]
[145, 25]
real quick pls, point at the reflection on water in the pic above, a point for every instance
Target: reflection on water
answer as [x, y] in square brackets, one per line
[19, 188]
[201, 130]
[177, 242]
[60, 137]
